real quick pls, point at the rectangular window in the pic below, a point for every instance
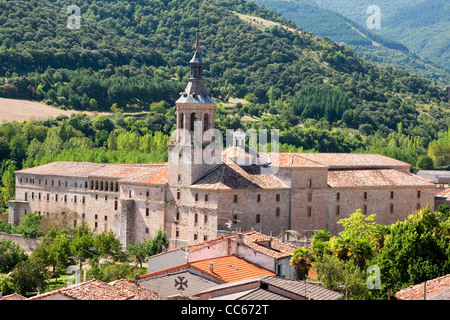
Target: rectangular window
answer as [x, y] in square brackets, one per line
[309, 211]
[277, 197]
[148, 194]
[147, 230]
[106, 218]
[235, 218]
[196, 218]
[206, 198]
[83, 216]
[48, 196]
[365, 209]
[258, 198]
[418, 194]
[277, 212]
[65, 198]
[39, 196]
[365, 195]
[115, 205]
[96, 217]
[56, 197]
[258, 218]
[32, 196]
[196, 197]
[205, 218]
[338, 210]
[96, 225]
[418, 206]
[195, 236]
[309, 183]
[75, 199]
[391, 208]
[235, 198]
[178, 195]
[147, 212]
[309, 197]
[205, 237]
[83, 199]
[338, 196]
[392, 194]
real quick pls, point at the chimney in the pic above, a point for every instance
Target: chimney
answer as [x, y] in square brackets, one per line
[211, 267]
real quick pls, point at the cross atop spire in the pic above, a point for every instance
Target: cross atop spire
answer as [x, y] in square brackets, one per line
[197, 42]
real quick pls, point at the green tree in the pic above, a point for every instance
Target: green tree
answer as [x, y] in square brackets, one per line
[9, 184]
[29, 276]
[301, 260]
[415, 250]
[82, 244]
[107, 245]
[10, 255]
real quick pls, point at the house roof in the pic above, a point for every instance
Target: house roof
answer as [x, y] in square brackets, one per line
[268, 245]
[375, 178]
[168, 285]
[99, 290]
[436, 289]
[13, 296]
[444, 194]
[270, 288]
[229, 268]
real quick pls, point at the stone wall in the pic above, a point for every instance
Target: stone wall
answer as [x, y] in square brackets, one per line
[26, 244]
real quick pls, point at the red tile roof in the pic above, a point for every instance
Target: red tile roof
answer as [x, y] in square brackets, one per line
[230, 268]
[13, 296]
[225, 269]
[436, 289]
[99, 290]
[375, 178]
[154, 173]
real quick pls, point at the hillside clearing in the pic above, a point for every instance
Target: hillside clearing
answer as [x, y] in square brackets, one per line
[23, 110]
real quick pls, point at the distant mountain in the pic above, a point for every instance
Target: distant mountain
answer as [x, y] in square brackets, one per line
[422, 25]
[368, 44]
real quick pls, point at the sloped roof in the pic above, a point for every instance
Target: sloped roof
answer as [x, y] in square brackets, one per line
[355, 160]
[165, 285]
[267, 245]
[98, 290]
[229, 268]
[229, 176]
[13, 296]
[436, 289]
[375, 177]
[154, 173]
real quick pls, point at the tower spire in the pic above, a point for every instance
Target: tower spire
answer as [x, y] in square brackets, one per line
[197, 42]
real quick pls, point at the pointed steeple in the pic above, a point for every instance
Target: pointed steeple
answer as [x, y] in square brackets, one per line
[196, 90]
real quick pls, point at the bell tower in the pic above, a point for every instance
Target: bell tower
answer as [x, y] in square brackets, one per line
[195, 115]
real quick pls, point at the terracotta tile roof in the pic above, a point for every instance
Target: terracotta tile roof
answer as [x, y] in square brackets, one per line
[99, 290]
[436, 289]
[293, 160]
[229, 268]
[356, 160]
[444, 194]
[154, 173]
[267, 245]
[13, 296]
[132, 288]
[375, 177]
[229, 176]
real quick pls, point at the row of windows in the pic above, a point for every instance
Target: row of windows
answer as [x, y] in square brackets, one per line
[104, 185]
[177, 217]
[52, 182]
[365, 210]
[365, 195]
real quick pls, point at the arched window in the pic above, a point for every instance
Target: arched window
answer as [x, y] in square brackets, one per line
[181, 120]
[117, 187]
[193, 119]
[96, 184]
[205, 122]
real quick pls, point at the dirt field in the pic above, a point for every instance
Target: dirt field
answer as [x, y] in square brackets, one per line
[22, 110]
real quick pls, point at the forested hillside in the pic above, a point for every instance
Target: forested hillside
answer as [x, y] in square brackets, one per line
[131, 57]
[421, 25]
[367, 44]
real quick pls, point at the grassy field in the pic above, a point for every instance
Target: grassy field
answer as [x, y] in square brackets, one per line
[23, 110]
